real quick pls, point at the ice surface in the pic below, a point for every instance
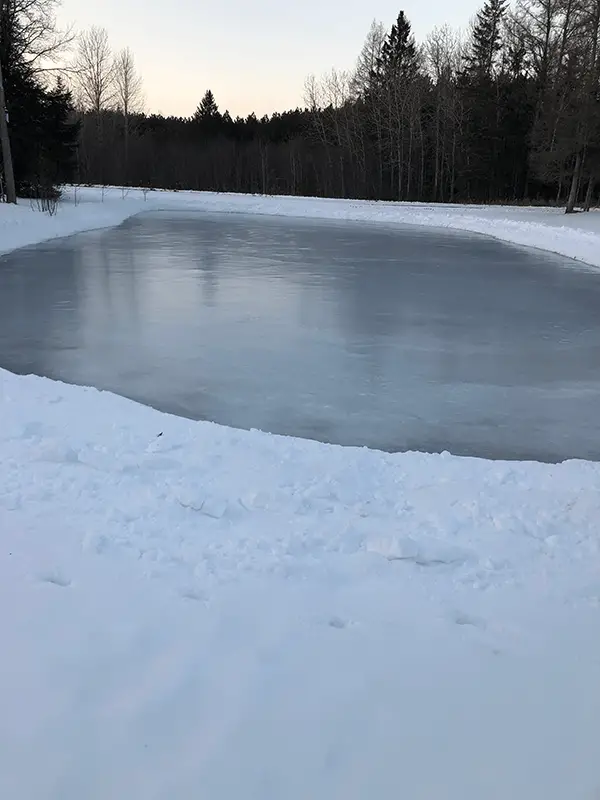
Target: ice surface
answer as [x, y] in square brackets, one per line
[391, 337]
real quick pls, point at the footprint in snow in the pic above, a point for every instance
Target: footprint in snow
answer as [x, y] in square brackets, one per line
[55, 578]
[197, 595]
[464, 619]
[338, 623]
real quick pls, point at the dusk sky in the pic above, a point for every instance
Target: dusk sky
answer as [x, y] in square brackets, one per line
[254, 56]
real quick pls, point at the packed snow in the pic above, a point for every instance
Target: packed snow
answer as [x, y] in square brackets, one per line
[195, 611]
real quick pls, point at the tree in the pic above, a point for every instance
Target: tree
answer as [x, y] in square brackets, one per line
[29, 40]
[60, 136]
[95, 70]
[128, 96]
[397, 89]
[7, 163]
[443, 59]
[366, 64]
[44, 132]
[559, 35]
[207, 108]
[128, 88]
[399, 60]
[486, 39]
[30, 31]
[207, 117]
[479, 84]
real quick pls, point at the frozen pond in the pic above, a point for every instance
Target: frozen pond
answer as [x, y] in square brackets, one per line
[395, 338]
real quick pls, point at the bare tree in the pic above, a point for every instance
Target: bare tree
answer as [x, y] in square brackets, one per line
[127, 84]
[368, 59]
[443, 60]
[31, 35]
[94, 70]
[128, 95]
[315, 99]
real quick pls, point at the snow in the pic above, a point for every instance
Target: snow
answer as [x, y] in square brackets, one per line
[576, 236]
[195, 611]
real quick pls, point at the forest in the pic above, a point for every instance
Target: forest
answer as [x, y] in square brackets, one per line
[507, 111]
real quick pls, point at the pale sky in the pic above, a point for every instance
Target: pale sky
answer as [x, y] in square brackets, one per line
[255, 55]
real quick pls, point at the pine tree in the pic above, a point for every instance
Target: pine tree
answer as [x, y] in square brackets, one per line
[483, 137]
[43, 136]
[208, 108]
[60, 135]
[486, 39]
[207, 116]
[395, 104]
[399, 60]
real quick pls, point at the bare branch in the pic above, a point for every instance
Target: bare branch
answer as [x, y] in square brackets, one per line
[129, 94]
[95, 70]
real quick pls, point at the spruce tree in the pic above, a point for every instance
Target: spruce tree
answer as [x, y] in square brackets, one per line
[486, 39]
[483, 136]
[208, 108]
[61, 133]
[399, 58]
[43, 134]
[207, 115]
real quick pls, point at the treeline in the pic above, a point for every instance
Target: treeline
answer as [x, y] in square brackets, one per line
[509, 112]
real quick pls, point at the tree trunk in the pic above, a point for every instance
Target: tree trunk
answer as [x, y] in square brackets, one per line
[574, 185]
[436, 177]
[453, 169]
[589, 193]
[9, 177]
[126, 148]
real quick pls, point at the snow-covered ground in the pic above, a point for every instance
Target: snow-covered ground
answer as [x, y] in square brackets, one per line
[576, 236]
[190, 611]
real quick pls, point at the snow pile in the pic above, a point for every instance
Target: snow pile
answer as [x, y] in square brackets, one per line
[194, 611]
[576, 236]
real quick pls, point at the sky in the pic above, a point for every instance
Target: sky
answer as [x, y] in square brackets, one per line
[254, 56]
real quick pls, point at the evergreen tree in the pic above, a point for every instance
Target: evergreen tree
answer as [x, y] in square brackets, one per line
[399, 59]
[43, 135]
[395, 108]
[207, 109]
[61, 133]
[207, 116]
[486, 39]
[484, 137]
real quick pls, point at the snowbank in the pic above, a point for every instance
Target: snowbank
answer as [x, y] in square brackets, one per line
[576, 236]
[193, 611]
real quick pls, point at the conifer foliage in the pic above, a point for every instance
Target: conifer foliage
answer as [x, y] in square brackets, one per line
[43, 130]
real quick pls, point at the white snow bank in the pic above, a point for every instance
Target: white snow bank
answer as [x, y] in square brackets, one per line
[576, 236]
[192, 611]
[24, 224]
